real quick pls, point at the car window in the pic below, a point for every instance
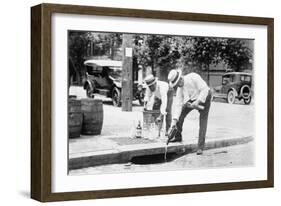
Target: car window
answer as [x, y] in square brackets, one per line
[115, 73]
[227, 79]
[93, 70]
[245, 78]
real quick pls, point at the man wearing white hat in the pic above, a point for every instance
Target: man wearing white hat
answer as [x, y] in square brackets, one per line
[158, 92]
[192, 93]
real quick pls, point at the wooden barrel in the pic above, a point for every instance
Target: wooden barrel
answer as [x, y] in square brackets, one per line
[92, 110]
[74, 118]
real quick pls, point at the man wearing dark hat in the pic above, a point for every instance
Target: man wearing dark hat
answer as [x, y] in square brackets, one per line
[158, 94]
[192, 93]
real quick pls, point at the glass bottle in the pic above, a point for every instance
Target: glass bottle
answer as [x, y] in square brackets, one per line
[139, 130]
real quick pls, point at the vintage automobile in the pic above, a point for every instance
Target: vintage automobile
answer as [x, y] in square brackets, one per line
[235, 85]
[104, 77]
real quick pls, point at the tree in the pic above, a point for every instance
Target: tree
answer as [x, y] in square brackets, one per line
[103, 44]
[162, 52]
[77, 51]
[237, 53]
[205, 51]
[85, 44]
[158, 51]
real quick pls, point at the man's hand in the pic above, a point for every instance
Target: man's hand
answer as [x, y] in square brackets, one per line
[159, 119]
[195, 104]
[174, 122]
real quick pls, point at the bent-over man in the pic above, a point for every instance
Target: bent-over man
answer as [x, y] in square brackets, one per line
[192, 92]
[158, 95]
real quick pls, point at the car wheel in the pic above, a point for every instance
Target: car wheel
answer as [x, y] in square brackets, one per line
[116, 97]
[231, 97]
[245, 92]
[247, 101]
[89, 92]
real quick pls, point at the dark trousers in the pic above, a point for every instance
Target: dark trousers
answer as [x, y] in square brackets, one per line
[203, 120]
[157, 105]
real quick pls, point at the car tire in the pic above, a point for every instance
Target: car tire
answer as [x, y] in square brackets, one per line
[116, 97]
[247, 101]
[248, 92]
[231, 96]
[89, 92]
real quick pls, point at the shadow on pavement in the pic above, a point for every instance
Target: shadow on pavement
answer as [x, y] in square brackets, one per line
[155, 159]
[237, 102]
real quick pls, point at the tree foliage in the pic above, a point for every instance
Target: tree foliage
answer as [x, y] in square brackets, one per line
[157, 51]
[85, 44]
[171, 51]
[162, 52]
[236, 53]
[209, 50]
[205, 51]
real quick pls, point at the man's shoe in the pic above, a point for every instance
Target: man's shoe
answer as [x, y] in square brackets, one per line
[199, 152]
[176, 139]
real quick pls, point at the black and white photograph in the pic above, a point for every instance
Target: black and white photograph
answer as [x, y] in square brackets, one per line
[154, 102]
[134, 102]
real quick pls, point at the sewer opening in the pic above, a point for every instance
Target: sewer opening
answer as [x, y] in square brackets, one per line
[155, 159]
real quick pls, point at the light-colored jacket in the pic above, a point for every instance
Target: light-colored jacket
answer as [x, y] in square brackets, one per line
[194, 88]
[160, 92]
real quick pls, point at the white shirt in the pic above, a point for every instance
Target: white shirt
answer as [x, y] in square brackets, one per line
[194, 88]
[160, 92]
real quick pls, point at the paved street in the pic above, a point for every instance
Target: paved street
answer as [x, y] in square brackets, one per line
[234, 156]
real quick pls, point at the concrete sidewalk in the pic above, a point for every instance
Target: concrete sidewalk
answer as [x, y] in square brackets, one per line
[100, 150]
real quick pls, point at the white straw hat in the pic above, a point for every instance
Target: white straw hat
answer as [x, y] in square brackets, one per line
[150, 80]
[174, 76]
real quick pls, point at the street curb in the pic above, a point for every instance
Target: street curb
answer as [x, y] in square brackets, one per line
[124, 154]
